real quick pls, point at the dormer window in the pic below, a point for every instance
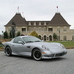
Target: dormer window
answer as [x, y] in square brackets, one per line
[65, 29]
[30, 23]
[39, 23]
[44, 23]
[34, 23]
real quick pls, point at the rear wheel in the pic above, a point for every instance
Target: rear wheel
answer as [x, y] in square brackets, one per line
[8, 51]
[37, 54]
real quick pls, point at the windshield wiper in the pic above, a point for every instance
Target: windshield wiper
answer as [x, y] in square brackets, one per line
[37, 41]
[29, 41]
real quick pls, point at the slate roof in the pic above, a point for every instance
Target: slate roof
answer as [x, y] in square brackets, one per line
[18, 19]
[58, 20]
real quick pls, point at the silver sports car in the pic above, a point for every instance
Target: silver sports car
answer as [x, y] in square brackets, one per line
[34, 47]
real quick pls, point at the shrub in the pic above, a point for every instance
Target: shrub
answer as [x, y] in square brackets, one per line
[5, 35]
[34, 34]
[0, 42]
[18, 33]
[55, 37]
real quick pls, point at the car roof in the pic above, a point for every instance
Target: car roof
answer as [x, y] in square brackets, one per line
[25, 36]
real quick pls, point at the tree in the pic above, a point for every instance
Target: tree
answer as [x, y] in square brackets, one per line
[10, 34]
[34, 34]
[55, 36]
[5, 35]
[18, 33]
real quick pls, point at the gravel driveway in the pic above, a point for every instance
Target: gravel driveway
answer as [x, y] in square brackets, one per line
[26, 65]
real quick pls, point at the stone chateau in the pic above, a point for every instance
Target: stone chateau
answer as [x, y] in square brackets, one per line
[45, 29]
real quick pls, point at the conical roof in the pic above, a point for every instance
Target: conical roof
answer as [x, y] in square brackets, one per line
[18, 20]
[58, 20]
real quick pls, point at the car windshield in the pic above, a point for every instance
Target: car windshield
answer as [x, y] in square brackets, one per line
[31, 39]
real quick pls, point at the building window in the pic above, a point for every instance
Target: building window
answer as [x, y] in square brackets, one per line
[65, 30]
[58, 29]
[23, 29]
[50, 29]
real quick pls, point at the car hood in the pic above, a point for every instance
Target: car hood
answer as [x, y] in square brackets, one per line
[53, 47]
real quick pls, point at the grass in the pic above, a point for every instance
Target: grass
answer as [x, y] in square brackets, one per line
[67, 44]
[1, 47]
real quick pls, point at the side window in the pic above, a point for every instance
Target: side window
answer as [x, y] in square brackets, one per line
[17, 39]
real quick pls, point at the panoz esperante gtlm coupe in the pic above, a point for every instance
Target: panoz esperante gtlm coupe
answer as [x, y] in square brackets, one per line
[34, 47]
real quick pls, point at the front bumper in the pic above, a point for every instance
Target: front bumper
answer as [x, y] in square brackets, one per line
[53, 55]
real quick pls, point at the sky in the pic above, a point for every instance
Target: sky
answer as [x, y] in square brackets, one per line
[37, 10]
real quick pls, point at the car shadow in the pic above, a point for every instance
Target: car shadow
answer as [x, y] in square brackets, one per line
[54, 59]
[43, 60]
[24, 57]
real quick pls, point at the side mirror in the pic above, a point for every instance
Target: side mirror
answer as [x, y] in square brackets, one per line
[20, 42]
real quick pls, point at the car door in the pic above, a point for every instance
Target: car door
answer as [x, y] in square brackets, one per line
[20, 48]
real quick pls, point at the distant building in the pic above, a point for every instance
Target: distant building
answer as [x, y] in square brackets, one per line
[45, 29]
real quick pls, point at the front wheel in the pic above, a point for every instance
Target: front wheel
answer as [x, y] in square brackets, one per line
[37, 54]
[8, 51]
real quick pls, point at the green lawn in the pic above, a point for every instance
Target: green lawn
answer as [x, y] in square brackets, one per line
[67, 44]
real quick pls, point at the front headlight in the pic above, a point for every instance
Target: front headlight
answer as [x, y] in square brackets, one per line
[45, 48]
[62, 46]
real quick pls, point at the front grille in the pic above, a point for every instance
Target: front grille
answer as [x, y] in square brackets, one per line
[59, 54]
[55, 55]
[52, 55]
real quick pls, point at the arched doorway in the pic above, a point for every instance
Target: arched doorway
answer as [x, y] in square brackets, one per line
[39, 36]
[50, 38]
[65, 38]
[45, 37]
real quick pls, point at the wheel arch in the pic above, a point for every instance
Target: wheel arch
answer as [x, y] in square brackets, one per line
[5, 47]
[33, 50]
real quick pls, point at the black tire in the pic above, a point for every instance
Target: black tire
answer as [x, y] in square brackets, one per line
[8, 51]
[37, 54]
